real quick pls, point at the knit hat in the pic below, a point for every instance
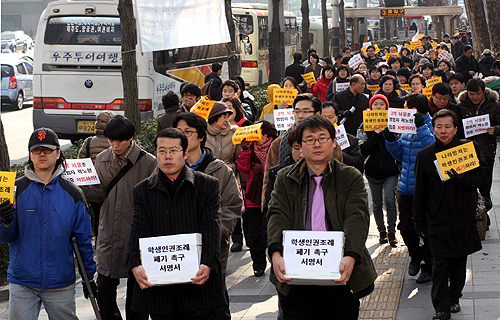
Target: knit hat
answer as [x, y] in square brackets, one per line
[218, 109]
[423, 61]
[379, 96]
[43, 137]
[487, 52]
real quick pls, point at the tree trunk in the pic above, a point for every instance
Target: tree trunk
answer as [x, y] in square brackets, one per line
[342, 30]
[306, 43]
[437, 21]
[129, 62]
[493, 9]
[275, 50]
[479, 26]
[233, 63]
[326, 34]
[4, 151]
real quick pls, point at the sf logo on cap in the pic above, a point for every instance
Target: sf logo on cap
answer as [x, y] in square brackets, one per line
[41, 135]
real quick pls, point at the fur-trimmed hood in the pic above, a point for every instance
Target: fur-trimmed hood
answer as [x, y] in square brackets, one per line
[489, 94]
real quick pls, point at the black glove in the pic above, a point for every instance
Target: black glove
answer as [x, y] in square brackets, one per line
[419, 120]
[455, 177]
[420, 230]
[346, 113]
[93, 286]
[6, 212]
[389, 136]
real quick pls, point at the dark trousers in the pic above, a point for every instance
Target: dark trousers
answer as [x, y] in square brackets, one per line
[96, 210]
[237, 229]
[255, 237]
[204, 314]
[410, 236]
[106, 298]
[448, 280]
[486, 190]
[223, 313]
[319, 302]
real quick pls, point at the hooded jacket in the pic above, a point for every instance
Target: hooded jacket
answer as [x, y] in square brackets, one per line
[485, 65]
[221, 144]
[491, 106]
[98, 143]
[39, 237]
[268, 110]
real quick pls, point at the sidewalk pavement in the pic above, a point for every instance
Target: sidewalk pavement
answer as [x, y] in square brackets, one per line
[396, 295]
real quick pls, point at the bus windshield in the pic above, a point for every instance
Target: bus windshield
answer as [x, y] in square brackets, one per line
[78, 30]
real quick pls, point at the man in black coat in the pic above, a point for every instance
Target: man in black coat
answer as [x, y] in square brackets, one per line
[457, 47]
[467, 64]
[445, 214]
[216, 85]
[352, 97]
[177, 200]
[296, 70]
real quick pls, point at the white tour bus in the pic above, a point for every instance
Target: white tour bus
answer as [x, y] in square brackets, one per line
[77, 71]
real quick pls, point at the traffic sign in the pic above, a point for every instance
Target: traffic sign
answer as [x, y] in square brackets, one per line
[392, 12]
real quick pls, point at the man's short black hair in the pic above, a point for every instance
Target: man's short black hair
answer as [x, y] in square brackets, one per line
[170, 101]
[442, 88]
[230, 83]
[467, 47]
[216, 66]
[418, 101]
[314, 124]
[175, 134]
[330, 104]
[194, 121]
[457, 76]
[308, 96]
[446, 35]
[345, 60]
[371, 47]
[119, 128]
[297, 56]
[475, 84]
[454, 37]
[445, 113]
[345, 49]
[373, 68]
[191, 88]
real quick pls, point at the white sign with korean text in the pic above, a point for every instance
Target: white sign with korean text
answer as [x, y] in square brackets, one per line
[81, 172]
[402, 120]
[163, 25]
[171, 259]
[476, 125]
[355, 61]
[283, 118]
[342, 86]
[445, 55]
[312, 255]
[341, 137]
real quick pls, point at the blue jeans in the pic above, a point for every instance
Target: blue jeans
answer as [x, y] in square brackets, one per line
[384, 192]
[25, 303]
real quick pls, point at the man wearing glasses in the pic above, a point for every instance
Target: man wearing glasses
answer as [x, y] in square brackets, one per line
[120, 168]
[177, 199]
[321, 194]
[48, 211]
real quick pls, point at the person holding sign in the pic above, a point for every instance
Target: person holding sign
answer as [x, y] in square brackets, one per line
[352, 97]
[476, 101]
[321, 86]
[382, 173]
[445, 213]
[388, 86]
[48, 211]
[177, 200]
[314, 66]
[341, 78]
[319, 193]
[268, 110]
[405, 149]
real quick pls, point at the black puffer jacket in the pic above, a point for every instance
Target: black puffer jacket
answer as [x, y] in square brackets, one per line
[491, 106]
[380, 164]
[485, 65]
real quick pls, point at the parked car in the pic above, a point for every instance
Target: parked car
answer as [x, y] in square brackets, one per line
[17, 81]
[15, 40]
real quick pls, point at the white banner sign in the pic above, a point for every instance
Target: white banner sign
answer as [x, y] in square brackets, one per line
[341, 86]
[283, 118]
[165, 25]
[445, 55]
[476, 125]
[355, 61]
[312, 255]
[402, 120]
[341, 137]
[171, 259]
[81, 172]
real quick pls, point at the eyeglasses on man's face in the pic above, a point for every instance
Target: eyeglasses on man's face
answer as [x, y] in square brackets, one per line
[312, 141]
[304, 112]
[164, 152]
[188, 133]
[37, 151]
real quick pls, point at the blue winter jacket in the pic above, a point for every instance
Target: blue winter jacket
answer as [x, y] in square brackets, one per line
[45, 218]
[405, 149]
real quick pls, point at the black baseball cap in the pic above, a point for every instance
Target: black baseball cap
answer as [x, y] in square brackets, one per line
[43, 137]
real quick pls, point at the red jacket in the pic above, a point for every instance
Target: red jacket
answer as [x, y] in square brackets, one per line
[320, 88]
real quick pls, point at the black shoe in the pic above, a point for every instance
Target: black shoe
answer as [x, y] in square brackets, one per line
[236, 247]
[259, 273]
[455, 307]
[424, 278]
[414, 268]
[442, 315]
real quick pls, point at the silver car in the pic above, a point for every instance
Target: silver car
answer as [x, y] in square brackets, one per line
[17, 81]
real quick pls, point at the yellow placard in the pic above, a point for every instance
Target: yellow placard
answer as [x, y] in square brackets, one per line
[203, 107]
[373, 88]
[433, 81]
[374, 118]
[406, 87]
[7, 181]
[420, 36]
[408, 46]
[364, 50]
[434, 45]
[377, 49]
[461, 158]
[427, 92]
[309, 78]
[388, 55]
[284, 96]
[416, 44]
[250, 133]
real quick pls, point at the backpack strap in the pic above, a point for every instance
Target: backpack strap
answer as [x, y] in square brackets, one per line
[123, 171]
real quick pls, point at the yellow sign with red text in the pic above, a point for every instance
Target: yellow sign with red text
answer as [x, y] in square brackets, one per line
[203, 107]
[284, 96]
[373, 119]
[7, 181]
[461, 158]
